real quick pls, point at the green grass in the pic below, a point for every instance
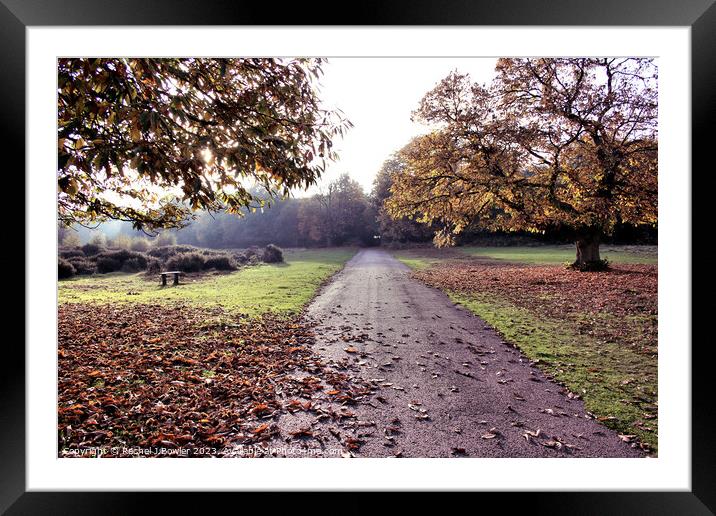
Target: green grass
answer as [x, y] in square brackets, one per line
[416, 263]
[563, 254]
[614, 381]
[281, 288]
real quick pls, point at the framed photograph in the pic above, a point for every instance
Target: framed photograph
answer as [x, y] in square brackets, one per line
[437, 246]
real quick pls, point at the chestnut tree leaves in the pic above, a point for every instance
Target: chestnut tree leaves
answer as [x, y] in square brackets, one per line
[566, 144]
[150, 140]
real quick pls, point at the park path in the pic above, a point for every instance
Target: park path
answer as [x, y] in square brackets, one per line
[446, 384]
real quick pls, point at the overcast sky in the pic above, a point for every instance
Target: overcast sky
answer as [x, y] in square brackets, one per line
[378, 95]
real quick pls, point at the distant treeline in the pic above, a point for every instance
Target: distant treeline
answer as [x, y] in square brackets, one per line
[341, 214]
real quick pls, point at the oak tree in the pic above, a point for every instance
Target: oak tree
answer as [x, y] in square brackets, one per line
[151, 140]
[568, 144]
[395, 229]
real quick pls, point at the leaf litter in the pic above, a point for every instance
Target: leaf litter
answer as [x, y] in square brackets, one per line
[196, 378]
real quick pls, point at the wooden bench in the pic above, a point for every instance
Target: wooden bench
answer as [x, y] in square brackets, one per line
[165, 274]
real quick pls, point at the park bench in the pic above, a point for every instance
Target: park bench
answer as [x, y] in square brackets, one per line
[165, 274]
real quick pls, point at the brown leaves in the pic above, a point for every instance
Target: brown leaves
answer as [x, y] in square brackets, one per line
[146, 375]
[559, 293]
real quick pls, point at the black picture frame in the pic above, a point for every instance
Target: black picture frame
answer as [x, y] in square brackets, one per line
[700, 15]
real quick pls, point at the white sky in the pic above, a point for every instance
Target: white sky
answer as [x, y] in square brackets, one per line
[378, 96]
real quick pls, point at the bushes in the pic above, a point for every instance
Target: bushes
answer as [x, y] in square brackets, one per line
[92, 258]
[71, 253]
[134, 264]
[92, 249]
[107, 264]
[220, 263]
[82, 265]
[272, 254]
[168, 251]
[64, 269]
[129, 261]
[251, 252]
[154, 266]
[186, 262]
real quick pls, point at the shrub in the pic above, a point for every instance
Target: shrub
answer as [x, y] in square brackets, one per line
[251, 253]
[107, 264]
[92, 249]
[154, 266]
[64, 269]
[168, 251]
[110, 261]
[273, 254]
[134, 264]
[140, 244]
[165, 239]
[240, 258]
[220, 263]
[82, 265]
[71, 253]
[186, 262]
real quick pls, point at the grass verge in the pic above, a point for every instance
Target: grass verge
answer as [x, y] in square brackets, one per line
[618, 385]
[562, 254]
[280, 288]
[602, 352]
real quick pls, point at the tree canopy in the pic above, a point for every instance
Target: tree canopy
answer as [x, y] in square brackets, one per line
[150, 140]
[395, 229]
[338, 215]
[551, 143]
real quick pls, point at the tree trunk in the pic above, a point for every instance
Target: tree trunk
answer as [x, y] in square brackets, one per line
[587, 250]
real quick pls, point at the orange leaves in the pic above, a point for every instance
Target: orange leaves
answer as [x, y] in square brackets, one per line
[296, 405]
[184, 360]
[532, 151]
[260, 408]
[261, 428]
[137, 376]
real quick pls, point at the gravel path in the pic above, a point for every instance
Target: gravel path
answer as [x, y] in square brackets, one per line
[446, 383]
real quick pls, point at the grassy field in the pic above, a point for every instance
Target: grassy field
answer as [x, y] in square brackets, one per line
[558, 254]
[605, 354]
[282, 288]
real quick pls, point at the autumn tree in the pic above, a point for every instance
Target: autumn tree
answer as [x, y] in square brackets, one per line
[568, 144]
[150, 140]
[394, 229]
